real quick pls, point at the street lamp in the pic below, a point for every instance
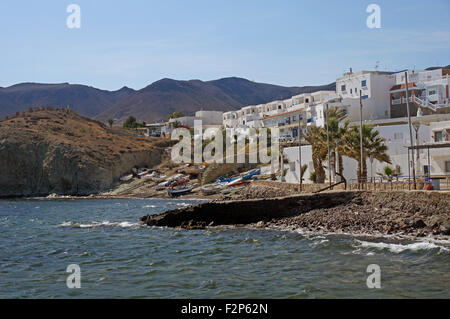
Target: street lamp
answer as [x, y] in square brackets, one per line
[410, 132]
[328, 145]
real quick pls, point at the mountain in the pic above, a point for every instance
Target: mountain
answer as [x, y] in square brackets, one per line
[85, 100]
[166, 96]
[151, 103]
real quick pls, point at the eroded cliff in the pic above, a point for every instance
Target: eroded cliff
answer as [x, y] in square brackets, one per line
[59, 151]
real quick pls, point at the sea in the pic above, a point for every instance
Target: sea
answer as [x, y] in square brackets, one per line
[97, 248]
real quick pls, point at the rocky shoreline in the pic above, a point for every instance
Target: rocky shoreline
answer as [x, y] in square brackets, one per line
[390, 213]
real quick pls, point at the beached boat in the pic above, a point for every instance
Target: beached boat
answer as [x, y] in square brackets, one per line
[251, 174]
[211, 189]
[239, 182]
[179, 191]
[126, 178]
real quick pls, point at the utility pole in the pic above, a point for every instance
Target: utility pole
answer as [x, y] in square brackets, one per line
[360, 140]
[328, 146]
[299, 156]
[410, 133]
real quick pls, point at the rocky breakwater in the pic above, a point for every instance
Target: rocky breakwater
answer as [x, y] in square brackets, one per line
[245, 211]
[415, 213]
[59, 151]
[403, 213]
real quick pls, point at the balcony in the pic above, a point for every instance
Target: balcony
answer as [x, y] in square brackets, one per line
[401, 100]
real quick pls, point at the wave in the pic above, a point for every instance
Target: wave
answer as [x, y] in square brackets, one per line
[398, 248]
[99, 224]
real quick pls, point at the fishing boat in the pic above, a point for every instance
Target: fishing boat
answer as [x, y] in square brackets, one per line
[251, 174]
[239, 182]
[126, 178]
[211, 189]
[179, 191]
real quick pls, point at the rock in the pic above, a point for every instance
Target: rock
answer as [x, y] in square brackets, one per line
[260, 224]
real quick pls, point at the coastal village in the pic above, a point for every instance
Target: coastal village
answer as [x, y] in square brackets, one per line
[413, 150]
[327, 179]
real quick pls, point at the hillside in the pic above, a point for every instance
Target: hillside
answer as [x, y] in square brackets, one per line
[166, 96]
[85, 100]
[61, 152]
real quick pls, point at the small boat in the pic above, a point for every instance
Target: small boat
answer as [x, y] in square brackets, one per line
[211, 189]
[179, 182]
[251, 174]
[161, 186]
[179, 191]
[239, 182]
[228, 180]
[126, 178]
[143, 172]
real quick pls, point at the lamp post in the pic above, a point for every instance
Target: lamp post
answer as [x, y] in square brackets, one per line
[360, 139]
[299, 156]
[416, 126]
[328, 145]
[410, 132]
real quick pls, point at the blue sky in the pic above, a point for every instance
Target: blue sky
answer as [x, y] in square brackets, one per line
[293, 43]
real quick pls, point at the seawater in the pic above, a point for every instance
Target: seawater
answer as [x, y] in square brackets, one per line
[119, 258]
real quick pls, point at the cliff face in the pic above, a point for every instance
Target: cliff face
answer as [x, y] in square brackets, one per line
[45, 152]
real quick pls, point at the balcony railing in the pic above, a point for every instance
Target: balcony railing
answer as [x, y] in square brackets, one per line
[401, 100]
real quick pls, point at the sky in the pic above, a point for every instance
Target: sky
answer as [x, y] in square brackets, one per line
[285, 42]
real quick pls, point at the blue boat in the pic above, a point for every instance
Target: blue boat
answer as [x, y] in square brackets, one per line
[251, 174]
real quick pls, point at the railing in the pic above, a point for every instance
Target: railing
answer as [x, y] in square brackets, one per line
[399, 183]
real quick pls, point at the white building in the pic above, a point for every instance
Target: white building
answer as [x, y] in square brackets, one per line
[373, 87]
[427, 91]
[433, 130]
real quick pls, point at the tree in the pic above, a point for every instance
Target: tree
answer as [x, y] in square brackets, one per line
[337, 131]
[175, 115]
[132, 123]
[110, 122]
[373, 146]
[316, 136]
[389, 173]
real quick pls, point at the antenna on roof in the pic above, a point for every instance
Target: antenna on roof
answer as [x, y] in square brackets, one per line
[377, 65]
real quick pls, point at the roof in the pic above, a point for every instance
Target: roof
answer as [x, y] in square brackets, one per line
[280, 114]
[430, 146]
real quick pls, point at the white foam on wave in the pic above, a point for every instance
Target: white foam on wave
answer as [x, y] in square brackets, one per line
[99, 224]
[149, 206]
[398, 248]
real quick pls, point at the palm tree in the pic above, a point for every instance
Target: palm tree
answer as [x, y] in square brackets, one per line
[389, 173]
[110, 122]
[373, 146]
[337, 131]
[316, 136]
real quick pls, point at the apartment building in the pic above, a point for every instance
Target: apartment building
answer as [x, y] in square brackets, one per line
[428, 92]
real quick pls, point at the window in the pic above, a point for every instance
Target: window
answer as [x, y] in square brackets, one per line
[306, 100]
[426, 169]
[364, 83]
[365, 97]
[438, 136]
[398, 136]
[351, 91]
[342, 88]
[447, 166]
[432, 92]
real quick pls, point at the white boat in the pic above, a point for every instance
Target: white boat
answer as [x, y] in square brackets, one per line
[211, 189]
[126, 178]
